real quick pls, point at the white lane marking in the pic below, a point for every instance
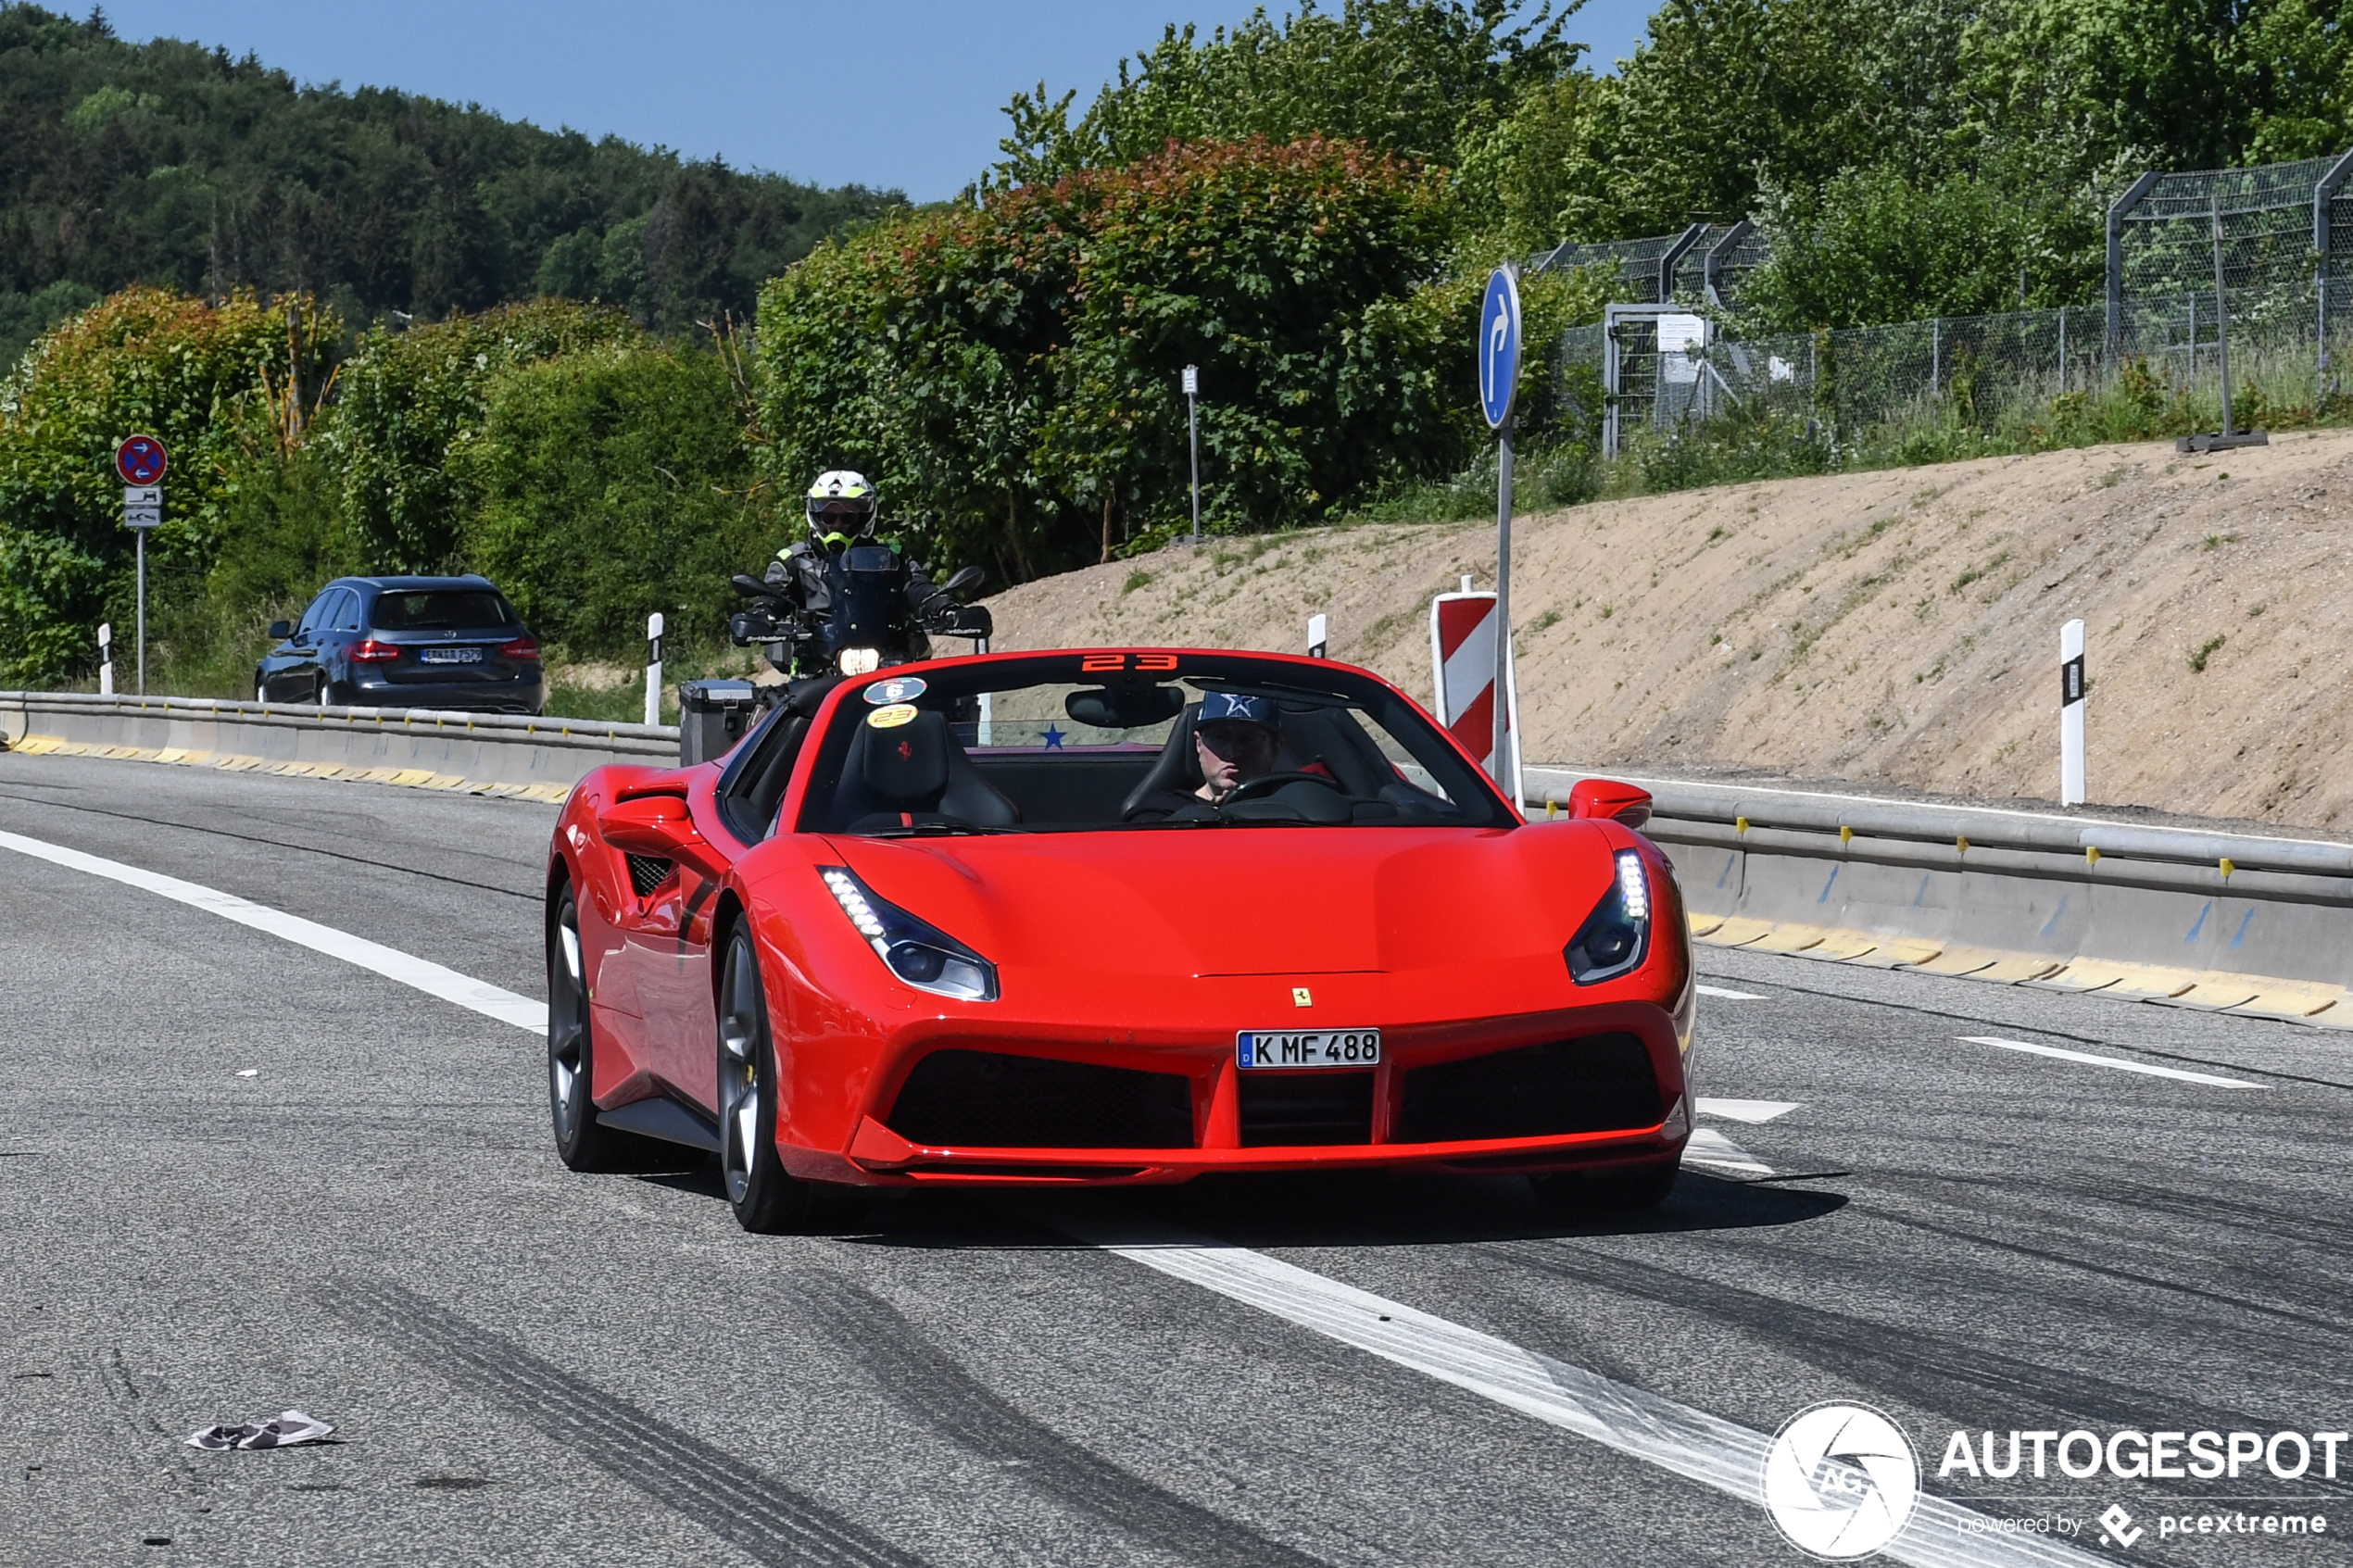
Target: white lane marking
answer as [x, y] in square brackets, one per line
[2116, 1061]
[490, 1000]
[1709, 1146]
[1647, 1426]
[1753, 1111]
[1730, 996]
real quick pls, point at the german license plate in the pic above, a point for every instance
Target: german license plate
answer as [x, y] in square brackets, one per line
[451, 656]
[1307, 1048]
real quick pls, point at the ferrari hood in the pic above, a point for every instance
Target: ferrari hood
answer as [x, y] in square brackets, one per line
[1247, 902]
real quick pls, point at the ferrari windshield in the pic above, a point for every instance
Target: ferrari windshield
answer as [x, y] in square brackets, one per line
[1071, 742]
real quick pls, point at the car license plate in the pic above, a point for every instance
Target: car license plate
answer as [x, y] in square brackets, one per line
[451, 656]
[1307, 1048]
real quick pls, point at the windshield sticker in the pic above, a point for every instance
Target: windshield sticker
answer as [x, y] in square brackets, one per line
[890, 718]
[906, 688]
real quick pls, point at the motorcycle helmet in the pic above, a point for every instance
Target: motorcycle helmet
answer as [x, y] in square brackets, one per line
[841, 504]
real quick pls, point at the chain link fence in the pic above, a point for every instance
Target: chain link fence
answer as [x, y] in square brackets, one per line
[2280, 235]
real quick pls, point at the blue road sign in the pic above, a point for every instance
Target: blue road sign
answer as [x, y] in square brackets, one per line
[1499, 346]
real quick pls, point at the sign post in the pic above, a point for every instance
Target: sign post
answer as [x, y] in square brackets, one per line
[1318, 634]
[140, 461]
[2071, 714]
[653, 668]
[106, 659]
[1498, 382]
[1192, 430]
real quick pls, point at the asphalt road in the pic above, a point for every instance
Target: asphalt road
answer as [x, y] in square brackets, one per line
[238, 1175]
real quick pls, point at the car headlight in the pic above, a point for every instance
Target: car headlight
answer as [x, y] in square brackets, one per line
[916, 951]
[1617, 934]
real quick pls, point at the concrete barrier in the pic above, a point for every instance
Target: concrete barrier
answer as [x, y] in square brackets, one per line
[480, 753]
[2237, 922]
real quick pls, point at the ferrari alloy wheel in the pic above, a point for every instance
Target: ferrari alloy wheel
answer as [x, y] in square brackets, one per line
[581, 1142]
[765, 1195]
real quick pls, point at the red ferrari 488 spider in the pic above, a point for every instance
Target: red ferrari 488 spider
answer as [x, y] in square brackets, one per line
[1110, 917]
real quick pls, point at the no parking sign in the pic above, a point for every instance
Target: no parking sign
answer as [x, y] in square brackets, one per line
[140, 461]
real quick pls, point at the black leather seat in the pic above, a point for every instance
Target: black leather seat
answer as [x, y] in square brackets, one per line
[916, 772]
[1178, 771]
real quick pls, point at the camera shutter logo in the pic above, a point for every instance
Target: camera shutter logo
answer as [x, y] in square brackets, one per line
[1841, 1481]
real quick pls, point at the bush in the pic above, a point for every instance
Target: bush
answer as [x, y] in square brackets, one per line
[1009, 370]
[612, 484]
[205, 379]
[410, 399]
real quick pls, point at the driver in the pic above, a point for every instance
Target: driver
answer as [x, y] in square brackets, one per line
[1236, 739]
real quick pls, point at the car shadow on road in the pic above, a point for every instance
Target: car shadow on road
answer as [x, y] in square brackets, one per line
[1310, 1209]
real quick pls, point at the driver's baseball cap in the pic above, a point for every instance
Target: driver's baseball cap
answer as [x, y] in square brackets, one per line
[1233, 708]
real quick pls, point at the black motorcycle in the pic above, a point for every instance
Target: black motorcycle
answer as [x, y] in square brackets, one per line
[852, 608]
[834, 609]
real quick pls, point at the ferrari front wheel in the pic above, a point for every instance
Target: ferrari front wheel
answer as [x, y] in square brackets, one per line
[581, 1142]
[765, 1196]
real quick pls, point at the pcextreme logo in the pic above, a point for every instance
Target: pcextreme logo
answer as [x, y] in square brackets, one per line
[1841, 1481]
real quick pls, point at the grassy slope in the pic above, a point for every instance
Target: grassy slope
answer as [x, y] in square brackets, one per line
[1900, 625]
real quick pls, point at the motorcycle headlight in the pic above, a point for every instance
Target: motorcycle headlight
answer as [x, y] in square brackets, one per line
[916, 951]
[861, 661]
[1617, 934]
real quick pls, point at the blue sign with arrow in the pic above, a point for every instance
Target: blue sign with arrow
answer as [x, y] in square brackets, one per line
[1499, 346]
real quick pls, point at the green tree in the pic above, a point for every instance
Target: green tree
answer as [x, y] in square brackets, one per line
[410, 400]
[612, 482]
[1008, 369]
[169, 163]
[208, 380]
[1407, 77]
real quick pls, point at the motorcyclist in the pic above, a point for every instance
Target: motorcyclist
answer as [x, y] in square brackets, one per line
[843, 510]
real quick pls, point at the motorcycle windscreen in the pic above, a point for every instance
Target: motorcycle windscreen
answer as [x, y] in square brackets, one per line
[869, 590]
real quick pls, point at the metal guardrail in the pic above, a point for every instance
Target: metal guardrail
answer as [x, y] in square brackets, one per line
[431, 748]
[2247, 921]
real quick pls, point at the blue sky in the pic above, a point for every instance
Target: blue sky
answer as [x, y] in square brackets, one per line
[902, 93]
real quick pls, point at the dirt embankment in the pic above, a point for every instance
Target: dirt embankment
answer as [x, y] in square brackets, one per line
[1898, 627]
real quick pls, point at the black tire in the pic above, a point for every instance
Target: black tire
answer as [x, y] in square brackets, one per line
[1631, 1189]
[766, 1197]
[581, 1141]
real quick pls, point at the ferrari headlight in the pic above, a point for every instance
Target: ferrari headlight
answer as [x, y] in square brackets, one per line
[916, 951]
[861, 661]
[1617, 934]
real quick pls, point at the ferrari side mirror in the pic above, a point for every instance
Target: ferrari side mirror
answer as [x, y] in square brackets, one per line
[1607, 798]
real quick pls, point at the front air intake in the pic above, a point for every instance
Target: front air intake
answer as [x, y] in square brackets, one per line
[1602, 1083]
[993, 1099]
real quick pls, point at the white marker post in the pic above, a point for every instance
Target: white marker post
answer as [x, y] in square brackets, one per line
[106, 658]
[1316, 627]
[2071, 714]
[653, 668]
[1192, 429]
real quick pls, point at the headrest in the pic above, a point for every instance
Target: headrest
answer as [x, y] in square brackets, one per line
[907, 761]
